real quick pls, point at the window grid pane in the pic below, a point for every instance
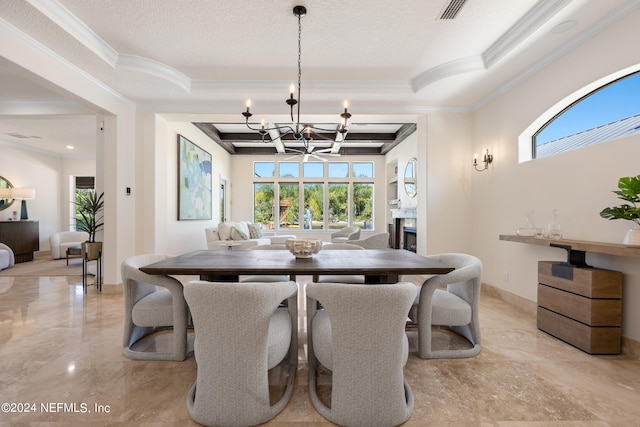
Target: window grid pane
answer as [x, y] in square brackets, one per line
[313, 170]
[338, 169]
[363, 205]
[338, 206]
[362, 169]
[288, 169]
[263, 202]
[264, 169]
[289, 205]
[313, 206]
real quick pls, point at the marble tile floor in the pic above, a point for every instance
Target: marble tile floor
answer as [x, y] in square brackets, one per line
[58, 346]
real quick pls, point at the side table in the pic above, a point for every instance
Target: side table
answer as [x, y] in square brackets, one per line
[73, 251]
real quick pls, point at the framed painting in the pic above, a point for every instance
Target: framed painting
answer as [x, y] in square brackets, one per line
[194, 181]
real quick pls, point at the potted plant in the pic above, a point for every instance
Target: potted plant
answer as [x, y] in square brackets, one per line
[629, 191]
[90, 220]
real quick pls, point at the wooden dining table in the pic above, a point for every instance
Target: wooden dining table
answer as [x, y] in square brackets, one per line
[376, 265]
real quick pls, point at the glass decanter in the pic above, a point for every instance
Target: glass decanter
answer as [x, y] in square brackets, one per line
[554, 229]
[529, 228]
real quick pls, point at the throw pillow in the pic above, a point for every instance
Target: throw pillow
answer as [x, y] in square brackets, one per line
[224, 231]
[237, 234]
[254, 231]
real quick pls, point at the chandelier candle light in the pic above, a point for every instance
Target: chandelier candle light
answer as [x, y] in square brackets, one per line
[301, 132]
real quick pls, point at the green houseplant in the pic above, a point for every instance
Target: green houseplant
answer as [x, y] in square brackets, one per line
[89, 218]
[629, 191]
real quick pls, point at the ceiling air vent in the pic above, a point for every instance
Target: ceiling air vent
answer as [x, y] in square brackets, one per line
[451, 10]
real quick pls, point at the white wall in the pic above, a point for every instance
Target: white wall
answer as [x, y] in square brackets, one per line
[450, 208]
[173, 237]
[48, 175]
[578, 183]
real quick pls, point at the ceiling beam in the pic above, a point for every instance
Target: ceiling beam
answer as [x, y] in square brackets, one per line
[210, 130]
[402, 134]
[385, 141]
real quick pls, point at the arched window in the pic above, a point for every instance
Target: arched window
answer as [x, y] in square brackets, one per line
[609, 111]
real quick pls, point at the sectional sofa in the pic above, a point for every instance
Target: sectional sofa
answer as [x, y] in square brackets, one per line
[240, 235]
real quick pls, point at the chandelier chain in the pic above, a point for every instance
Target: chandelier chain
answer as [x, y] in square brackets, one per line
[299, 72]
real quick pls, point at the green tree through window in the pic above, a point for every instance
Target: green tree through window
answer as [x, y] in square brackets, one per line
[326, 197]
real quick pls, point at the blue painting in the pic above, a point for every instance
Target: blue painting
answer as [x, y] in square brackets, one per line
[194, 186]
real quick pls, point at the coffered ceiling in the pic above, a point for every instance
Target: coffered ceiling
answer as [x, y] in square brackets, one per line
[205, 58]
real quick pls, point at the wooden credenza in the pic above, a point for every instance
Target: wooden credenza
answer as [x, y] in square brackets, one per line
[577, 303]
[581, 306]
[23, 237]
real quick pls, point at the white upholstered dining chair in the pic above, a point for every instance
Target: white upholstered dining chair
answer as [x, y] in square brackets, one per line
[242, 334]
[359, 335]
[264, 277]
[454, 307]
[152, 303]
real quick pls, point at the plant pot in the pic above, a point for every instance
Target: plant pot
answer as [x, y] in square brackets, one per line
[632, 238]
[91, 250]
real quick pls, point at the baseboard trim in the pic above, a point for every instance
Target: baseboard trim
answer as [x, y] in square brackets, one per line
[630, 347]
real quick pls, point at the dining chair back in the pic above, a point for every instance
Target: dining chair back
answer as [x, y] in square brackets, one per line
[346, 234]
[345, 278]
[359, 335]
[375, 241]
[264, 277]
[241, 334]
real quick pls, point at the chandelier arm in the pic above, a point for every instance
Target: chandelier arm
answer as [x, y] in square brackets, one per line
[316, 128]
[320, 136]
[288, 129]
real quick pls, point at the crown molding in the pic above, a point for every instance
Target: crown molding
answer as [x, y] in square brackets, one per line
[458, 66]
[540, 14]
[28, 41]
[629, 7]
[155, 68]
[59, 14]
[522, 29]
[325, 86]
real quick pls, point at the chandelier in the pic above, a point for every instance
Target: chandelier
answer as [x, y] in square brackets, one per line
[302, 132]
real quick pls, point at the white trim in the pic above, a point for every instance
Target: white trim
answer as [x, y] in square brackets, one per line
[66, 20]
[155, 68]
[537, 16]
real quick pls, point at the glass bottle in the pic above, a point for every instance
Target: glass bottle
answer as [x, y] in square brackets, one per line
[554, 229]
[529, 228]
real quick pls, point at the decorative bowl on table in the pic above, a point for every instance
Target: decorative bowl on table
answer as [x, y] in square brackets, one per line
[303, 248]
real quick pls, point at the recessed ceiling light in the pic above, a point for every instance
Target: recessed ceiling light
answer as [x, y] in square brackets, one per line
[70, 147]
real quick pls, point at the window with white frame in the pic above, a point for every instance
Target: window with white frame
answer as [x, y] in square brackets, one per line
[313, 195]
[609, 111]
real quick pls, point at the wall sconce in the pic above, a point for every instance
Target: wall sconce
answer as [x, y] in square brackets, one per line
[23, 194]
[487, 159]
